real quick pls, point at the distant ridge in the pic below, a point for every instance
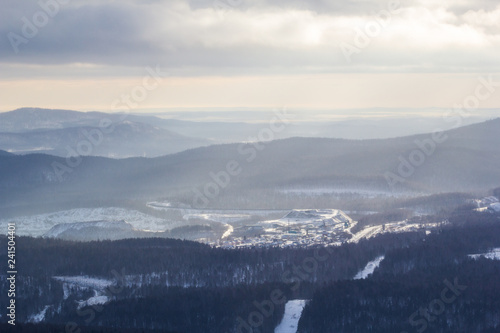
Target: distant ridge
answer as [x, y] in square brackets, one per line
[466, 159]
[64, 133]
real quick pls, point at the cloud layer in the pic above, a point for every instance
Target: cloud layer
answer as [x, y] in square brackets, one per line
[234, 37]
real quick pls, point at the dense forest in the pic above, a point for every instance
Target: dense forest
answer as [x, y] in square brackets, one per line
[408, 291]
[182, 286]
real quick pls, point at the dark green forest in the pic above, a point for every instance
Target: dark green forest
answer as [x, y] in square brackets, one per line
[181, 286]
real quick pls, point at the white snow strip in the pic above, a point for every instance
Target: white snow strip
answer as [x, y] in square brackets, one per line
[85, 281]
[369, 268]
[94, 300]
[229, 231]
[493, 255]
[290, 321]
[38, 317]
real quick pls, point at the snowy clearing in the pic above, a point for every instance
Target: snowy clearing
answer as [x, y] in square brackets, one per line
[85, 281]
[97, 299]
[38, 317]
[369, 268]
[290, 321]
[37, 225]
[493, 255]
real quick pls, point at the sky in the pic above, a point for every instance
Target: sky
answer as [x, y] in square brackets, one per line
[318, 54]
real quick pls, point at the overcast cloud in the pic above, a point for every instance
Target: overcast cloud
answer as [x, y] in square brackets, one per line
[230, 38]
[282, 35]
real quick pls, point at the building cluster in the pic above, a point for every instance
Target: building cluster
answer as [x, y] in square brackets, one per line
[299, 228]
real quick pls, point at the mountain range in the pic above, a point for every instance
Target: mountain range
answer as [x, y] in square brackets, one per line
[120, 135]
[461, 160]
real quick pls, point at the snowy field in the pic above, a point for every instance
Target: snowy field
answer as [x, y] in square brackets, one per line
[290, 321]
[37, 225]
[84, 282]
[38, 317]
[369, 268]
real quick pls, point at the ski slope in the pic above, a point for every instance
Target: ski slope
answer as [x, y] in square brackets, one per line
[369, 268]
[290, 321]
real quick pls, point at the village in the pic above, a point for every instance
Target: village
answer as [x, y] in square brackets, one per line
[299, 228]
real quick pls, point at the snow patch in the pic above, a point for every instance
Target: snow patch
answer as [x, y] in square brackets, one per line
[495, 207]
[290, 321]
[60, 229]
[369, 268]
[493, 255]
[38, 317]
[97, 299]
[85, 281]
[37, 225]
[229, 231]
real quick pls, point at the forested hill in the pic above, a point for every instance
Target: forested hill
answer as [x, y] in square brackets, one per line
[465, 159]
[188, 287]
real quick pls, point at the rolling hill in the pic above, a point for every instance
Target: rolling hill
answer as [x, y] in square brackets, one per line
[465, 159]
[65, 133]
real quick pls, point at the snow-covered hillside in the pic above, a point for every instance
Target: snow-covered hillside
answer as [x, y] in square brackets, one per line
[96, 230]
[37, 225]
[79, 227]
